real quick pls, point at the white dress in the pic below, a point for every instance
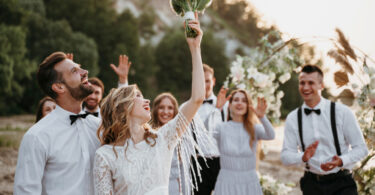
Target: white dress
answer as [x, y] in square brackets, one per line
[237, 160]
[139, 168]
[177, 177]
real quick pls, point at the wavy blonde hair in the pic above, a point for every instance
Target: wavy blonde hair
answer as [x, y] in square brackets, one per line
[155, 123]
[115, 109]
[249, 118]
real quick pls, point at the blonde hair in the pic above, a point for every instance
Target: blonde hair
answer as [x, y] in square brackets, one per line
[249, 118]
[115, 109]
[155, 123]
[207, 68]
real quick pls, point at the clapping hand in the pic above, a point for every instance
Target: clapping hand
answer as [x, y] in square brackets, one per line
[310, 151]
[261, 108]
[122, 70]
[335, 162]
[221, 98]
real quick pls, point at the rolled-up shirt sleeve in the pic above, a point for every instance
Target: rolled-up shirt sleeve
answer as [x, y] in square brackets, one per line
[31, 162]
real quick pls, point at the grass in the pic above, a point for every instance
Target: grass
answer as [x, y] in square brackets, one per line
[11, 136]
[10, 128]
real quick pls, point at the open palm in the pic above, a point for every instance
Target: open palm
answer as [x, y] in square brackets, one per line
[261, 108]
[122, 70]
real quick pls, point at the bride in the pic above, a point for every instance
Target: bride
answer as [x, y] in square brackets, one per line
[134, 159]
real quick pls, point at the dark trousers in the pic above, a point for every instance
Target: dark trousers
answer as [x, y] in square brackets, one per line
[209, 175]
[340, 183]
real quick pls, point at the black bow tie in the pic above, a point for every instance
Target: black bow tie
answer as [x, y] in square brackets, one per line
[73, 118]
[308, 111]
[93, 113]
[208, 101]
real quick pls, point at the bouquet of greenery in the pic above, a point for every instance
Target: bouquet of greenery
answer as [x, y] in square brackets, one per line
[186, 9]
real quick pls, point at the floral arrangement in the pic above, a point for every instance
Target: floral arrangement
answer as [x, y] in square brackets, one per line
[356, 80]
[262, 72]
[270, 186]
[186, 9]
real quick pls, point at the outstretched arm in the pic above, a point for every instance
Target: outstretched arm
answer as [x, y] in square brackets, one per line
[198, 85]
[122, 70]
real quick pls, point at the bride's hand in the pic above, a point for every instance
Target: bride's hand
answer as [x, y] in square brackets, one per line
[195, 25]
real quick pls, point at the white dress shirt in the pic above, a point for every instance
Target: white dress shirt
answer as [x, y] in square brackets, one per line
[97, 110]
[318, 127]
[204, 111]
[56, 157]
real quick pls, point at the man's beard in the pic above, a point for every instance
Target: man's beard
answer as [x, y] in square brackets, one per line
[81, 92]
[89, 106]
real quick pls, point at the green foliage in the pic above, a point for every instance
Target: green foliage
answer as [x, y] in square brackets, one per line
[213, 54]
[174, 62]
[13, 65]
[10, 12]
[36, 6]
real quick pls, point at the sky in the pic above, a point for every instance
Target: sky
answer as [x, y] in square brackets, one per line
[307, 18]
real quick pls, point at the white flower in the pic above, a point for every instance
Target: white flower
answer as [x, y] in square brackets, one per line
[272, 76]
[237, 73]
[261, 80]
[241, 86]
[371, 70]
[284, 78]
[226, 84]
[280, 94]
[251, 72]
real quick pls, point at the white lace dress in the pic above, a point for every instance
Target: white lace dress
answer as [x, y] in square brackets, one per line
[139, 168]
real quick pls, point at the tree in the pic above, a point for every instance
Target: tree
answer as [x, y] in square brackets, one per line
[174, 61]
[14, 67]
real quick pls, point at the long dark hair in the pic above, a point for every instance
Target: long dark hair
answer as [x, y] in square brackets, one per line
[39, 111]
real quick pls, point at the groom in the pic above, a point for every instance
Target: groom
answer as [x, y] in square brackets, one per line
[56, 154]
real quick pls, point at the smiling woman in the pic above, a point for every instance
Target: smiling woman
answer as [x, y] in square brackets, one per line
[133, 158]
[164, 108]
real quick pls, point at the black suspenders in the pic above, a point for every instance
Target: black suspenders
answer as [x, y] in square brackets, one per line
[334, 130]
[333, 127]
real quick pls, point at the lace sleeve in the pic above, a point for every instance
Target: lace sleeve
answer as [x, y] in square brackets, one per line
[102, 176]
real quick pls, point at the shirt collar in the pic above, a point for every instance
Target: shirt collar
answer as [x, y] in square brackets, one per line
[320, 105]
[97, 109]
[64, 114]
[212, 97]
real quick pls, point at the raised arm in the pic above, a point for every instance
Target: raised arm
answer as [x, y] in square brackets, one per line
[122, 70]
[198, 86]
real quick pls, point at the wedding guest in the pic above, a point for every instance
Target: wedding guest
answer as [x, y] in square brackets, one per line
[210, 162]
[133, 158]
[164, 109]
[45, 106]
[92, 102]
[237, 140]
[56, 154]
[325, 137]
